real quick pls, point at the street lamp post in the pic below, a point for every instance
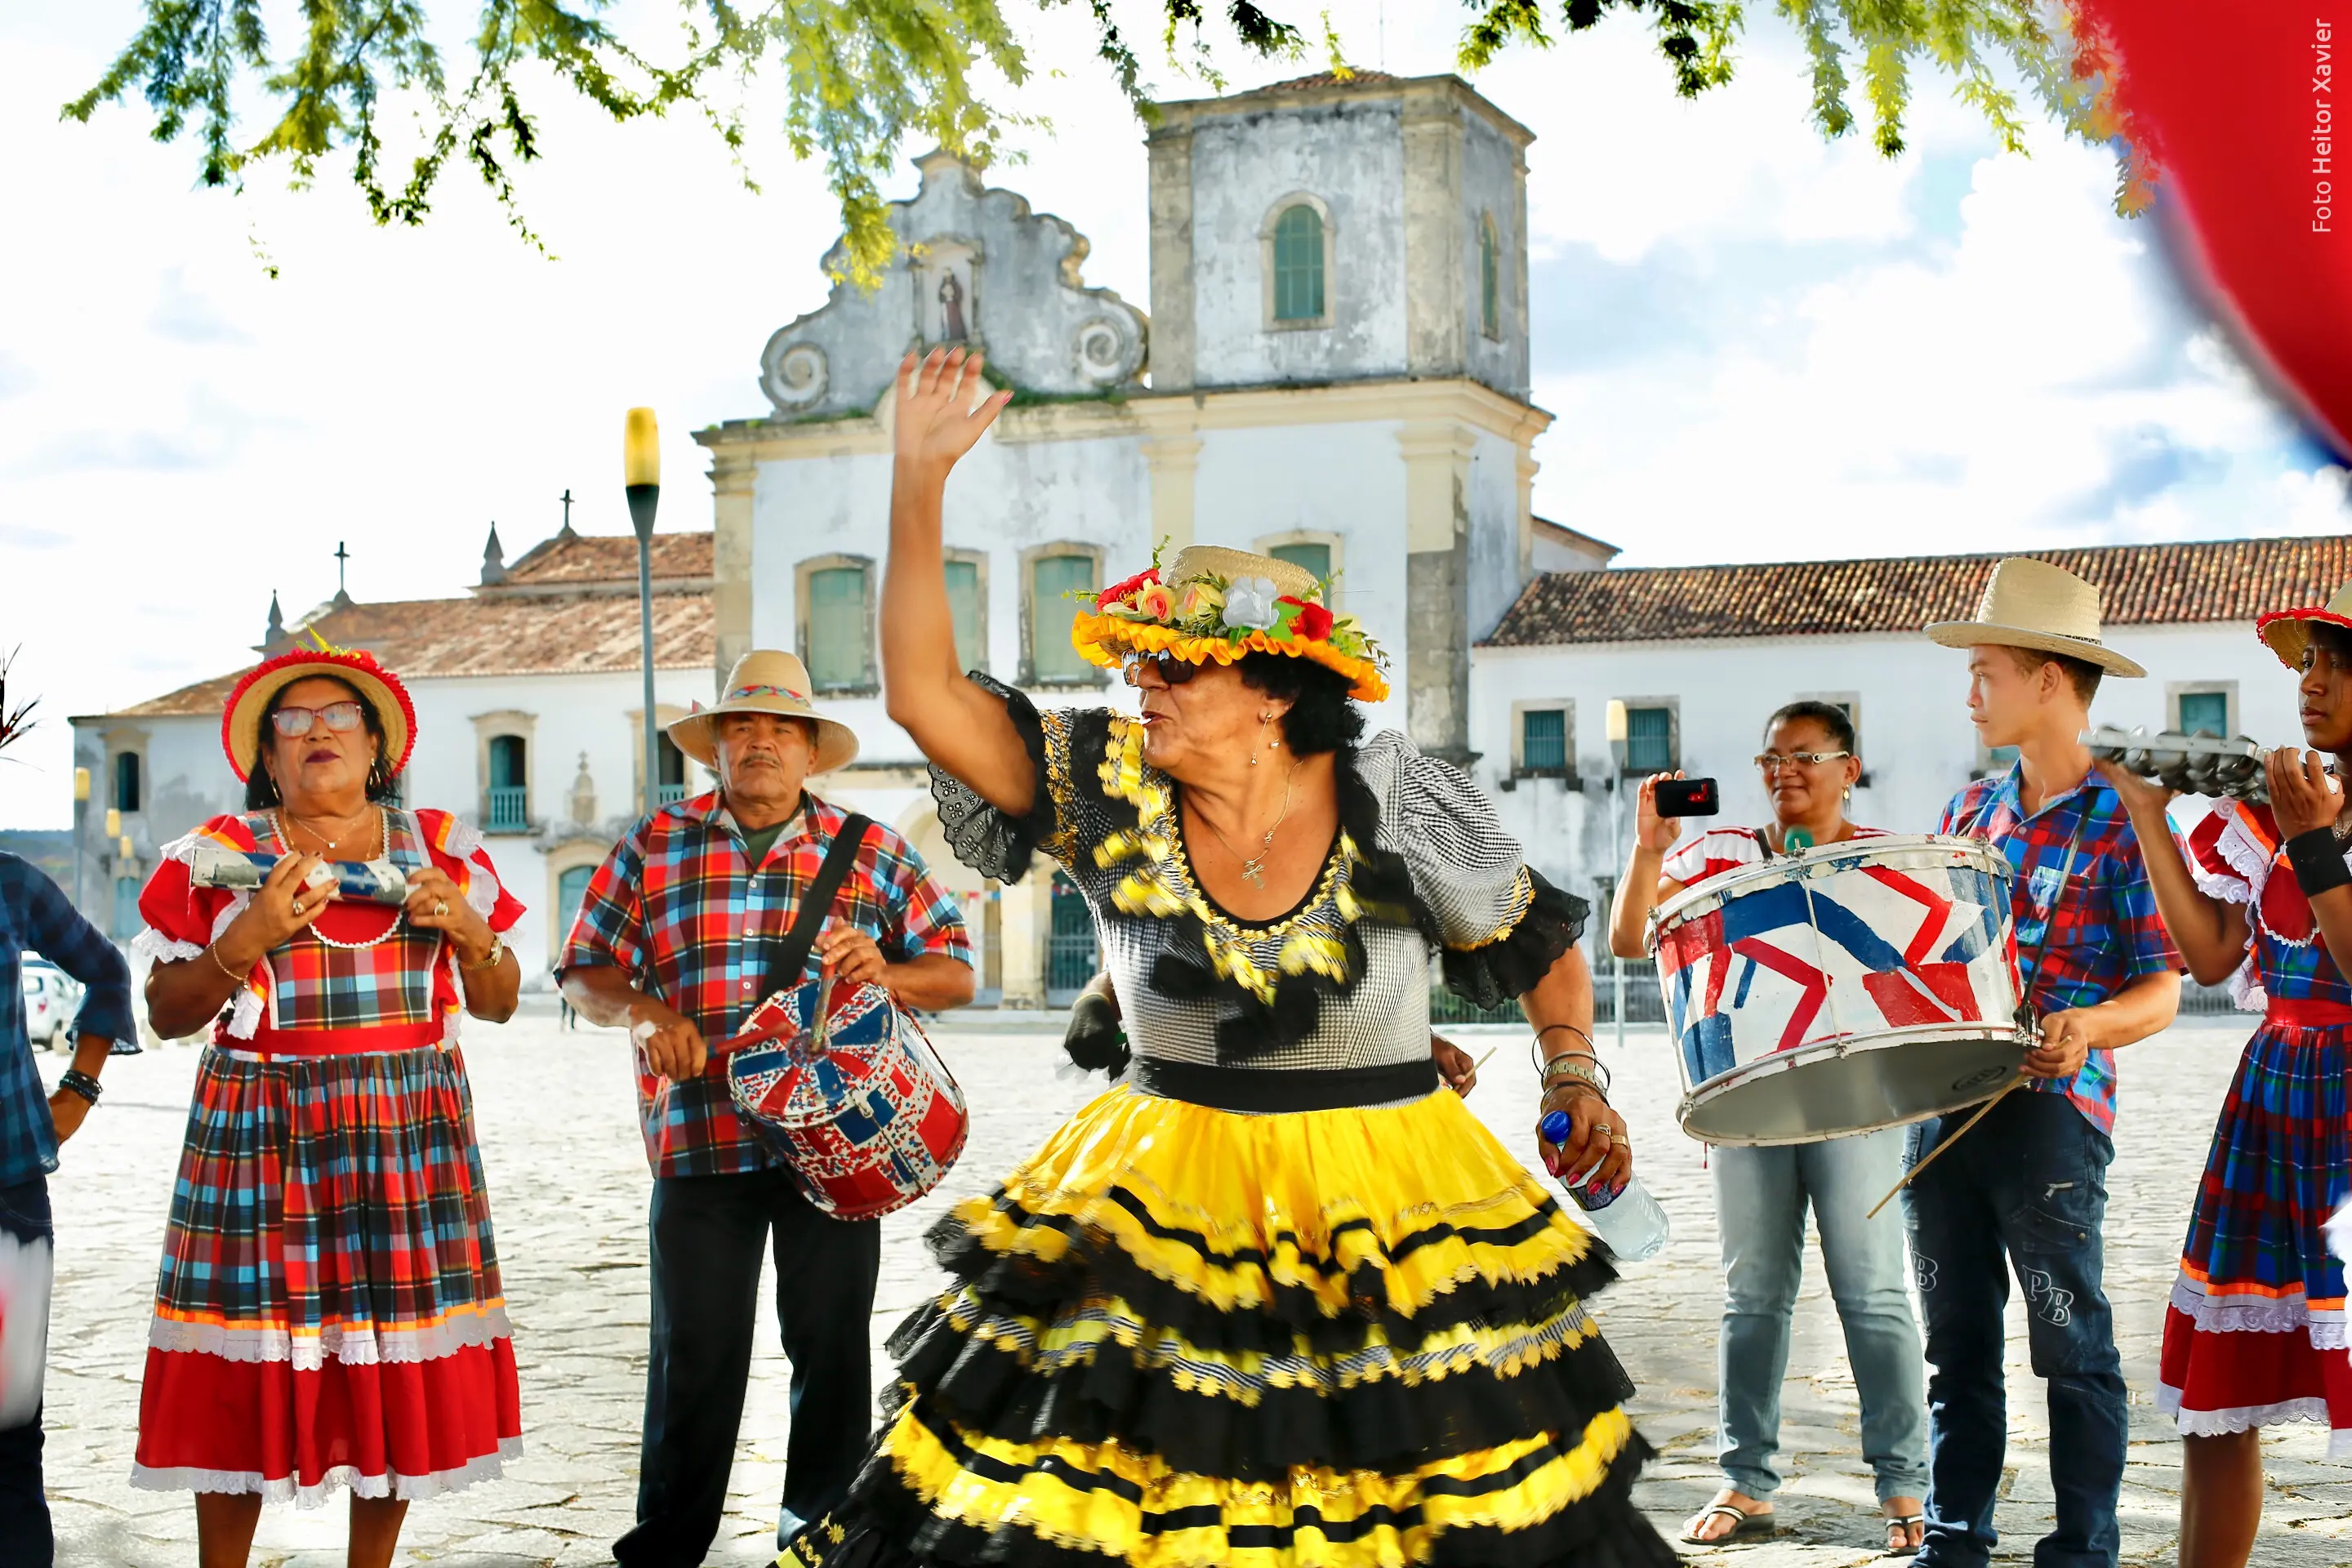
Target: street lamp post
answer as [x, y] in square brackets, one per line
[641, 474]
[81, 829]
[1616, 849]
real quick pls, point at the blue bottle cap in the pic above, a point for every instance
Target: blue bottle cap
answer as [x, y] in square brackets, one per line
[1554, 1126]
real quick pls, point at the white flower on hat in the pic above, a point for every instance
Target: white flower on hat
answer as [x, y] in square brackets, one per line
[1249, 603]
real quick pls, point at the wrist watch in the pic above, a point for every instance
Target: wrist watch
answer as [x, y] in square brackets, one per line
[498, 952]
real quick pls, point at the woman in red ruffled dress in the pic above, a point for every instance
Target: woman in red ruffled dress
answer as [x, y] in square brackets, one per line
[328, 1311]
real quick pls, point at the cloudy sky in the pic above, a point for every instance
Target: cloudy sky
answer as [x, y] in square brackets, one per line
[1757, 346]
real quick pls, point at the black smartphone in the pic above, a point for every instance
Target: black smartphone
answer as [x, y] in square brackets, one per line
[1688, 797]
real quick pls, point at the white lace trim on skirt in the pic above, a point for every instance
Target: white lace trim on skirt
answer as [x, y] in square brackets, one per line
[2247, 1418]
[284, 1488]
[351, 1344]
[2258, 1315]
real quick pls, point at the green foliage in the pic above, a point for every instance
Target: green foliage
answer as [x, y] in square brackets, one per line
[861, 76]
[1970, 40]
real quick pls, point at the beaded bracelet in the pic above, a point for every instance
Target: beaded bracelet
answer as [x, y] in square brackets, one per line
[81, 1083]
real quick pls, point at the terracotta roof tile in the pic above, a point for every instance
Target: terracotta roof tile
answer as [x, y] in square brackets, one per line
[532, 635]
[2141, 585]
[587, 558]
[1332, 78]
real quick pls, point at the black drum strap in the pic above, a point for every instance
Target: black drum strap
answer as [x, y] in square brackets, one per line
[786, 956]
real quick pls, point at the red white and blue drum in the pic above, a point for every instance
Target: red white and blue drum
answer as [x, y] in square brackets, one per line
[1841, 989]
[870, 1123]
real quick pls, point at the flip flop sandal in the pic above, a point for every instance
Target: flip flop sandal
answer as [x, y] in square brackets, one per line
[1898, 1534]
[1750, 1525]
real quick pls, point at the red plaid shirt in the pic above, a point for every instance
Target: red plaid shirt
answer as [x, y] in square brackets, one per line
[678, 909]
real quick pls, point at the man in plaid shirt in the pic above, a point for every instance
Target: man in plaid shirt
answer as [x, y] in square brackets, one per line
[668, 945]
[2098, 972]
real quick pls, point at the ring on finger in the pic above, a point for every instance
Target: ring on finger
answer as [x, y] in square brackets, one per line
[440, 906]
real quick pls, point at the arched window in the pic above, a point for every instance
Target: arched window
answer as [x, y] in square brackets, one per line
[1315, 557]
[672, 775]
[126, 781]
[570, 892]
[510, 785]
[1298, 264]
[1490, 309]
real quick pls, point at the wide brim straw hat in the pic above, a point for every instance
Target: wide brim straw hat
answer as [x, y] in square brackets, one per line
[2032, 604]
[355, 667]
[1212, 603]
[2288, 632]
[765, 682]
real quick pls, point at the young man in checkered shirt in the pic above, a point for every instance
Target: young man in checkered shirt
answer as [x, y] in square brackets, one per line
[670, 935]
[2026, 1187]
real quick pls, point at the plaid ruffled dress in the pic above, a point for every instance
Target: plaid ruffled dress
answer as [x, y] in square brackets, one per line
[2255, 1333]
[1278, 1299]
[329, 1309]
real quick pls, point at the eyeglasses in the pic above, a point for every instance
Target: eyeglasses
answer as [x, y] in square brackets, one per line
[1773, 761]
[294, 722]
[1174, 671]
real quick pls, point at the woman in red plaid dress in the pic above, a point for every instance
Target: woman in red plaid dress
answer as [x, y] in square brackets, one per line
[328, 1311]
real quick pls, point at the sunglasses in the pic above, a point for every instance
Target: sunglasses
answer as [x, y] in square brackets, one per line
[294, 722]
[1173, 670]
[1772, 762]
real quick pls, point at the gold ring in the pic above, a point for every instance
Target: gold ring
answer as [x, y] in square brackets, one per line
[298, 906]
[440, 906]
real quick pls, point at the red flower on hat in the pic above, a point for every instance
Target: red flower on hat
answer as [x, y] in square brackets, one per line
[1118, 591]
[1313, 622]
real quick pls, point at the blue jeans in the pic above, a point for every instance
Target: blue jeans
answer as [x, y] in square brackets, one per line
[25, 1538]
[2026, 1189]
[1760, 1196]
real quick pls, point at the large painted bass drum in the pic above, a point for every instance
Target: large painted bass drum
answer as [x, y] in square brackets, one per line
[852, 1097]
[1840, 989]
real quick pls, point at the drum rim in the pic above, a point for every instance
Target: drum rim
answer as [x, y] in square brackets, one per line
[1781, 867]
[1779, 1062]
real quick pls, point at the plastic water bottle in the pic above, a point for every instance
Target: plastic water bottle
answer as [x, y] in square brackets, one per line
[1628, 1219]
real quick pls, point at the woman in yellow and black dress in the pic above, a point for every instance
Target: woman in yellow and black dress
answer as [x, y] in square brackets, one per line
[1277, 1299]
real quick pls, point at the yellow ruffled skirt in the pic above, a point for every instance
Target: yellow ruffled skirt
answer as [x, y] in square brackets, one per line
[1179, 1337]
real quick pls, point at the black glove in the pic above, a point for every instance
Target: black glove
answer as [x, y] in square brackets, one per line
[1097, 1040]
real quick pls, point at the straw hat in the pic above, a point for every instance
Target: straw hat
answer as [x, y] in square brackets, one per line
[2289, 631]
[1211, 603]
[764, 681]
[357, 668]
[2032, 603]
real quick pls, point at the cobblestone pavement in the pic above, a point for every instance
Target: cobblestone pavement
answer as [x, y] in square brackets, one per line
[568, 1187]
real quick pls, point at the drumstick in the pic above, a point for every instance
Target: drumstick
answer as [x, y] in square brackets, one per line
[1935, 1153]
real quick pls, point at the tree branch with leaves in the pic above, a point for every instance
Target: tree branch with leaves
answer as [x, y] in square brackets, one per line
[863, 76]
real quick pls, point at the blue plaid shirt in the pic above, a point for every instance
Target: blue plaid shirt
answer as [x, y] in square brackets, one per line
[36, 916]
[2078, 947]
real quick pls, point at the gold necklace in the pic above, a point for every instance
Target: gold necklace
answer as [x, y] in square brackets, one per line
[1253, 865]
[285, 816]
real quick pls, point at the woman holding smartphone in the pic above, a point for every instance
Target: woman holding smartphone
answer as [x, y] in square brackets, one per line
[1810, 769]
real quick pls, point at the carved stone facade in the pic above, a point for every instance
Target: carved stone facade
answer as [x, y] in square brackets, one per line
[975, 267]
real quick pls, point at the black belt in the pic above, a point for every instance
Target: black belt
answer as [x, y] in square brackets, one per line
[1274, 1091]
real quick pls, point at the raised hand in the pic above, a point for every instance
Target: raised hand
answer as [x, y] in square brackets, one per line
[936, 422]
[1652, 831]
[2302, 794]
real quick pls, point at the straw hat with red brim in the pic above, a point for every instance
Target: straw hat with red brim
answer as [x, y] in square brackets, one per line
[2288, 632]
[355, 667]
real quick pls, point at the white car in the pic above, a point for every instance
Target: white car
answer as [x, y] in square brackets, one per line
[51, 999]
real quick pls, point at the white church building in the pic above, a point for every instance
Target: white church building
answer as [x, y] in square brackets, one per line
[1334, 369]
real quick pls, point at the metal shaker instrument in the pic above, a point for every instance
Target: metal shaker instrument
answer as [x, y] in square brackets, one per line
[2203, 764]
[211, 865]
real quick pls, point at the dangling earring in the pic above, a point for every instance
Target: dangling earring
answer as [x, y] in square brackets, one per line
[1849, 792]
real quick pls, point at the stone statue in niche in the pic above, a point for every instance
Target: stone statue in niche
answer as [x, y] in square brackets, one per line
[947, 292]
[950, 308]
